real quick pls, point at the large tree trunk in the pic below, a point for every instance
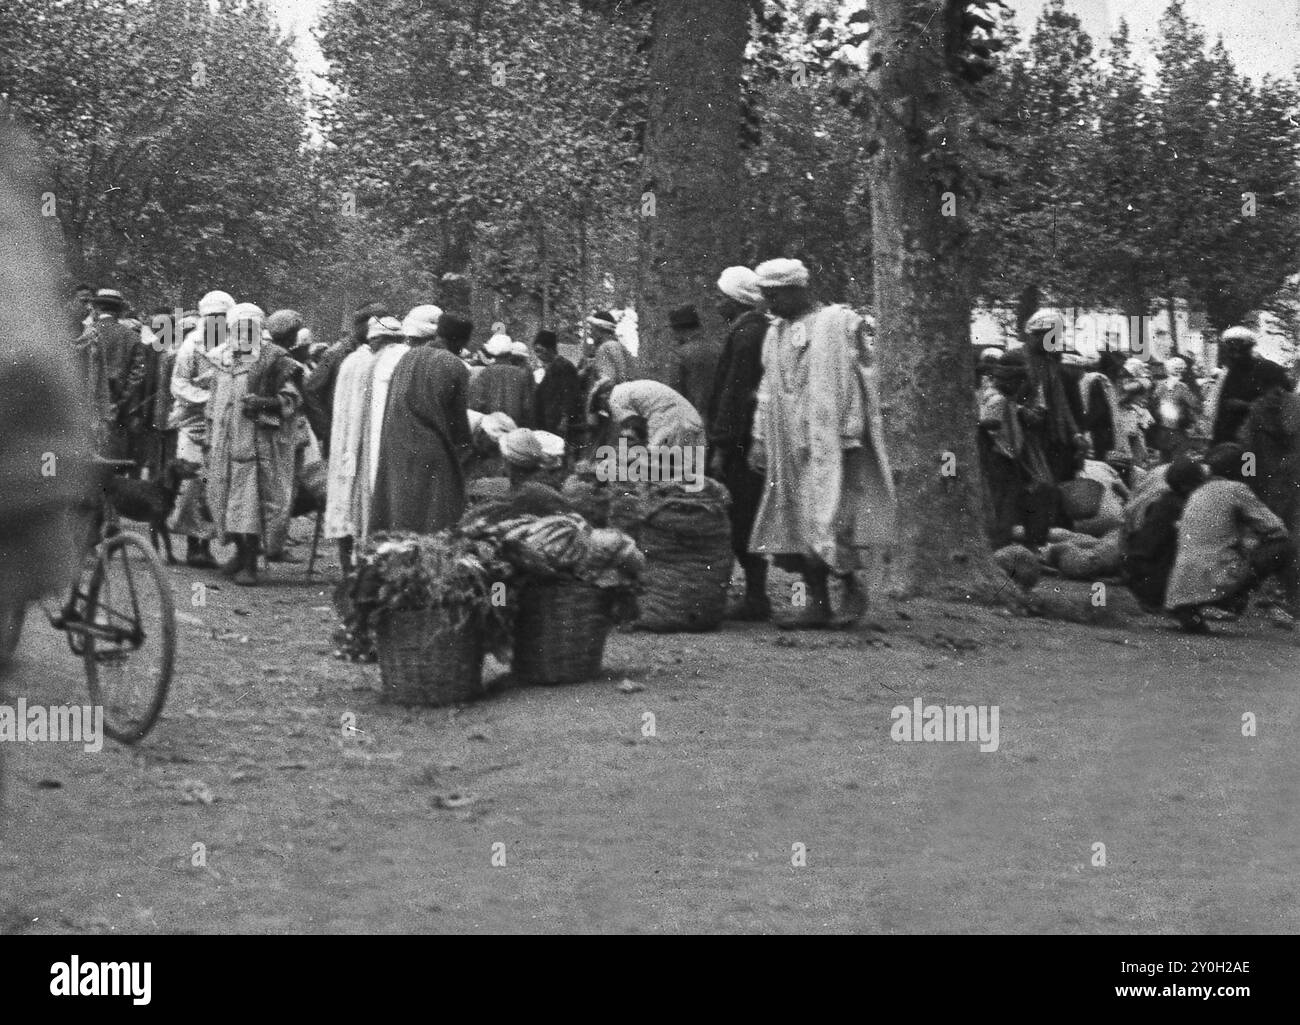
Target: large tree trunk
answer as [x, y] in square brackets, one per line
[924, 304]
[692, 223]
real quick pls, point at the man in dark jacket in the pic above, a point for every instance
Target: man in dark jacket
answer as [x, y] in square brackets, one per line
[113, 364]
[559, 395]
[1249, 377]
[695, 360]
[1054, 410]
[1272, 434]
[318, 397]
[729, 417]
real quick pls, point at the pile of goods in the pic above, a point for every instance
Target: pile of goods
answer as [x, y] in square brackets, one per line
[539, 591]
[426, 604]
[570, 585]
[686, 537]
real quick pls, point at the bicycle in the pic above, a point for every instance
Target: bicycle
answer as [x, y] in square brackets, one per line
[120, 620]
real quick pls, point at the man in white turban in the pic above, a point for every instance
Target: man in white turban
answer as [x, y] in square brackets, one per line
[354, 452]
[819, 438]
[190, 384]
[256, 394]
[504, 386]
[421, 324]
[730, 421]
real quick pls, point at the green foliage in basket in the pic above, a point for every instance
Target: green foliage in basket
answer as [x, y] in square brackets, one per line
[407, 572]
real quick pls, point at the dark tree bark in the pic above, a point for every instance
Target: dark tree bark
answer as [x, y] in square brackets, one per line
[693, 164]
[923, 295]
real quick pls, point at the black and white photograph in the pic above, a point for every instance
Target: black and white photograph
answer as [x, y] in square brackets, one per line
[650, 468]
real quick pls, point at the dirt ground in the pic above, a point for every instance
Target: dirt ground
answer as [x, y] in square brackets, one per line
[1114, 730]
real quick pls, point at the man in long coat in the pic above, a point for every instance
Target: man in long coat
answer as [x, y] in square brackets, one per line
[503, 386]
[819, 437]
[1272, 433]
[559, 393]
[255, 396]
[1247, 377]
[113, 365]
[191, 385]
[694, 360]
[730, 419]
[318, 393]
[420, 485]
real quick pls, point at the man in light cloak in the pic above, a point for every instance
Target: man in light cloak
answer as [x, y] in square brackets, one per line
[819, 439]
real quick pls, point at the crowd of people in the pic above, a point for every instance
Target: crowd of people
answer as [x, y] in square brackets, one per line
[1185, 487]
[407, 423]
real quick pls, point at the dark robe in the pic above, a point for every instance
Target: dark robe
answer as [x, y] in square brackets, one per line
[420, 485]
[730, 420]
[504, 388]
[1246, 384]
[318, 393]
[113, 364]
[1272, 433]
[559, 399]
[1149, 550]
[694, 369]
[1054, 390]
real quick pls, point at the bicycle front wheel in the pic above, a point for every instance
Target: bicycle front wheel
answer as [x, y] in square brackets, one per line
[130, 636]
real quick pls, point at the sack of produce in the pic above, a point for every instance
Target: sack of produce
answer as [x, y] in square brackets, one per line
[686, 538]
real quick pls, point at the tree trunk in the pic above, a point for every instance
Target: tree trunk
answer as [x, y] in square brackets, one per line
[692, 216]
[924, 305]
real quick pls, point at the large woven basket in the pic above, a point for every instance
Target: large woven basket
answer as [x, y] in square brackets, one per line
[685, 589]
[426, 659]
[560, 632]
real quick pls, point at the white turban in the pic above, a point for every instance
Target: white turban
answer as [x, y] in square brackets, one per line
[1239, 334]
[422, 322]
[246, 312]
[741, 284]
[1045, 320]
[216, 302]
[498, 345]
[781, 273]
[1176, 366]
[497, 425]
[384, 327]
[552, 448]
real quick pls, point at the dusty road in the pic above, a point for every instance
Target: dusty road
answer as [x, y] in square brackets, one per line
[1123, 733]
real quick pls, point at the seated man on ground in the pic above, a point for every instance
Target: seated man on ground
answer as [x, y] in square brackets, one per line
[1149, 540]
[529, 493]
[1216, 564]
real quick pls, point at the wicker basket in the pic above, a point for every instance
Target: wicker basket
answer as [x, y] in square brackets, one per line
[426, 659]
[560, 632]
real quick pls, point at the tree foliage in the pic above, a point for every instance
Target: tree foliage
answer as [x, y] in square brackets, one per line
[175, 134]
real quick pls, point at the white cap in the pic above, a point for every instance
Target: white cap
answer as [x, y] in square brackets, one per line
[1044, 320]
[384, 327]
[498, 345]
[216, 302]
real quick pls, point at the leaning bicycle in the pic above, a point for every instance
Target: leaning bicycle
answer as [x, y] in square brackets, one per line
[119, 618]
